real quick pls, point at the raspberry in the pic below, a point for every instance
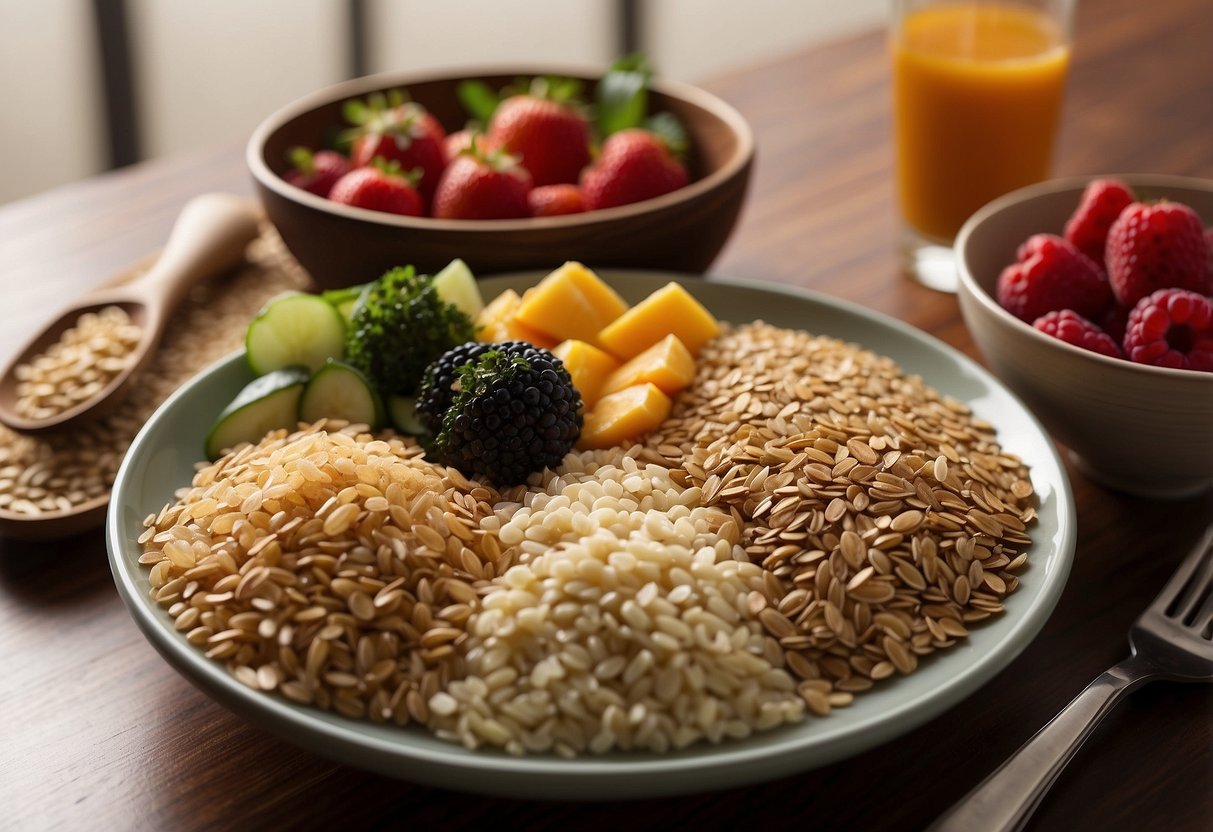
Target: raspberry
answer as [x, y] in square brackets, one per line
[1172, 328]
[1101, 204]
[1052, 274]
[1067, 325]
[1157, 246]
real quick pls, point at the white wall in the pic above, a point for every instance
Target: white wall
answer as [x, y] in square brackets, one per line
[50, 109]
[209, 71]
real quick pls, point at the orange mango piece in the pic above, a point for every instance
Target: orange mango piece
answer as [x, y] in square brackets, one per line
[570, 303]
[667, 364]
[498, 322]
[588, 365]
[624, 415]
[669, 310]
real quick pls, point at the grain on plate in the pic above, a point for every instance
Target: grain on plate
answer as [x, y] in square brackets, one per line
[808, 522]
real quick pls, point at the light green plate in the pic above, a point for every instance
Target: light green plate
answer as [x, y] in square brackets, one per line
[162, 458]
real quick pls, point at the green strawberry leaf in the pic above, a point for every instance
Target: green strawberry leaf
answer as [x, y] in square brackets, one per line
[672, 132]
[478, 99]
[556, 88]
[623, 95]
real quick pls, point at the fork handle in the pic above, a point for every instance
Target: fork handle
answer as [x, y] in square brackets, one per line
[1005, 800]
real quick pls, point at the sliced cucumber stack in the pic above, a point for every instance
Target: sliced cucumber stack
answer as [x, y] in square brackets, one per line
[338, 391]
[295, 330]
[265, 404]
[457, 286]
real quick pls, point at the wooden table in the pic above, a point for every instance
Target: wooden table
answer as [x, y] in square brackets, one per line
[98, 732]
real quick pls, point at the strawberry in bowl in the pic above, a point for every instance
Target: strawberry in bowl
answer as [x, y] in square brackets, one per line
[681, 225]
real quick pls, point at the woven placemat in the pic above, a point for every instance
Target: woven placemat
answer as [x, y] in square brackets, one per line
[46, 475]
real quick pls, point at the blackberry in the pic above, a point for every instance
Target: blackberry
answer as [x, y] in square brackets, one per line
[512, 410]
[436, 391]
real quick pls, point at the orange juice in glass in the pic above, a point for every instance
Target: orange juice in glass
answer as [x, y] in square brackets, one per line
[977, 90]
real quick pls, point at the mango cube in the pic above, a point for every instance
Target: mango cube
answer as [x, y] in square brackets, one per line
[498, 322]
[571, 302]
[669, 310]
[589, 367]
[624, 415]
[667, 364]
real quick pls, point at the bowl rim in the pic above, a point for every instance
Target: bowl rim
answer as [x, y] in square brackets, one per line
[1053, 186]
[363, 85]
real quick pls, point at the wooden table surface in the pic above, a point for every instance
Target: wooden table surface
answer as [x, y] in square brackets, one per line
[98, 732]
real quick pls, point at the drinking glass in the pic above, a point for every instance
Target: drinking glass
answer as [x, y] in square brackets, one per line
[977, 94]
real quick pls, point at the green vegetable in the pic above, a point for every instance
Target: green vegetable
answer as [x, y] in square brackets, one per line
[344, 299]
[297, 329]
[265, 404]
[399, 325]
[338, 391]
[402, 412]
[457, 286]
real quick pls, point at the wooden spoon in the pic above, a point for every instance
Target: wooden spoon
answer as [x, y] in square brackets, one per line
[208, 239]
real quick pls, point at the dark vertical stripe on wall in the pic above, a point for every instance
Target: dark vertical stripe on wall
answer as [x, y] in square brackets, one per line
[118, 81]
[629, 38]
[357, 63]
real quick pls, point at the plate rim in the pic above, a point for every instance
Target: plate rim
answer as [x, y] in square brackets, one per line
[587, 777]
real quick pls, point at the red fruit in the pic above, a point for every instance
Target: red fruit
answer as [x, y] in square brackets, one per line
[555, 200]
[1052, 274]
[1069, 326]
[1101, 204]
[635, 165]
[461, 140]
[1172, 328]
[316, 172]
[483, 186]
[551, 138]
[406, 134]
[380, 187]
[1157, 246]
[1114, 322]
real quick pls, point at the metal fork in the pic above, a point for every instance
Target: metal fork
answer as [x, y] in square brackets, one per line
[1173, 639]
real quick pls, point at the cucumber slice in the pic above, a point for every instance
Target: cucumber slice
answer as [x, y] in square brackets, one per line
[402, 410]
[456, 285]
[344, 299]
[338, 391]
[294, 330]
[265, 404]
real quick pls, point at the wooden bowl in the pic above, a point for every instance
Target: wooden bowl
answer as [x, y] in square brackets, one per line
[340, 246]
[1136, 428]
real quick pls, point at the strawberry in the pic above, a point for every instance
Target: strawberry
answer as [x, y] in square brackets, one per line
[483, 185]
[404, 133]
[551, 137]
[1052, 274]
[379, 187]
[316, 172]
[1155, 246]
[1101, 204]
[461, 140]
[635, 164]
[555, 200]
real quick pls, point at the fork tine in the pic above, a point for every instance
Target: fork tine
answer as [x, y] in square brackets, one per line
[1189, 587]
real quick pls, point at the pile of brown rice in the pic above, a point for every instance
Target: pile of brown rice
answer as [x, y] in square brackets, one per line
[807, 522]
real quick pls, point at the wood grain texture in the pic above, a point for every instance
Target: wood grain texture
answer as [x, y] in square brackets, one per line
[100, 733]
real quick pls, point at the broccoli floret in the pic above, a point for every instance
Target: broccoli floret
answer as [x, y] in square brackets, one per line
[398, 326]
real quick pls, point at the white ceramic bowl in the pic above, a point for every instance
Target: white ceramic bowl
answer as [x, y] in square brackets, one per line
[1136, 428]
